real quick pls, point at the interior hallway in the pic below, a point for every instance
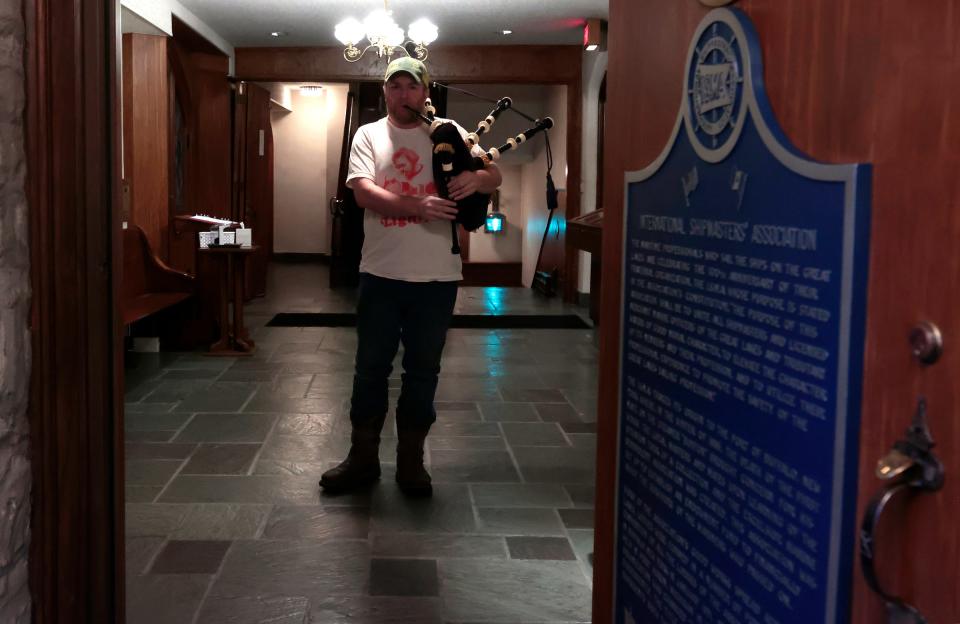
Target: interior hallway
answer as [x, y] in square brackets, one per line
[225, 521]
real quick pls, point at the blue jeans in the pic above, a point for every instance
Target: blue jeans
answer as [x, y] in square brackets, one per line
[390, 312]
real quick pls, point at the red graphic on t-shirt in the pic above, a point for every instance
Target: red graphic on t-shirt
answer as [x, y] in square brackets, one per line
[407, 163]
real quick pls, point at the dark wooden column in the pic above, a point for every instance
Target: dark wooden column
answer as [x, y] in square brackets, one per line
[72, 139]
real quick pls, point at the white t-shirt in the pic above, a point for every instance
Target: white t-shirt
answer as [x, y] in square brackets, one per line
[402, 248]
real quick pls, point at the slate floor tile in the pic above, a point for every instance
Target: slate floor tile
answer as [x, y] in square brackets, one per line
[519, 495]
[226, 428]
[519, 521]
[221, 459]
[457, 392]
[291, 405]
[149, 436]
[426, 545]
[140, 551]
[256, 610]
[273, 568]
[577, 518]
[556, 465]
[220, 396]
[557, 412]
[152, 450]
[333, 609]
[458, 415]
[582, 495]
[290, 467]
[533, 434]
[151, 471]
[586, 441]
[578, 427]
[534, 395]
[464, 428]
[221, 521]
[246, 374]
[141, 493]
[508, 412]
[265, 489]
[152, 519]
[582, 540]
[197, 361]
[318, 448]
[403, 577]
[473, 467]
[153, 421]
[287, 385]
[174, 390]
[305, 424]
[448, 511]
[165, 598]
[545, 548]
[190, 557]
[441, 406]
[490, 590]
[466, 443]
[317, 523]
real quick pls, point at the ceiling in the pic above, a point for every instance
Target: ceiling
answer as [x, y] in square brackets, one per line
[480, 22]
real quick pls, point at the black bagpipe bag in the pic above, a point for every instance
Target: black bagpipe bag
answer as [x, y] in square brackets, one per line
[451, 157]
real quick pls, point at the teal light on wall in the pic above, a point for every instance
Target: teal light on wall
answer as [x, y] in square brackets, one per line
[495, 223]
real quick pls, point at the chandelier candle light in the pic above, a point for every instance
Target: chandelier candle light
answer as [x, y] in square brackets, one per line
[384, 35]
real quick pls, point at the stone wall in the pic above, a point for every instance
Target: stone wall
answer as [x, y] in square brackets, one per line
[14, 325]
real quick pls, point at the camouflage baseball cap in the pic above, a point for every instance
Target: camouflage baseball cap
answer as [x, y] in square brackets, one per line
[412, 66]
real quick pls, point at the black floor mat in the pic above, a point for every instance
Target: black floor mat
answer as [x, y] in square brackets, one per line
[470, 321]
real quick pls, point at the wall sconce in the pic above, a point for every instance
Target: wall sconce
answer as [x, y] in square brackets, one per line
[495, 223]
[594, 35]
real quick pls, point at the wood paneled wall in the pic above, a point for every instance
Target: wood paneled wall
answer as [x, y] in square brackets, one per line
[146, 135]
[490, 64]
[851, 81]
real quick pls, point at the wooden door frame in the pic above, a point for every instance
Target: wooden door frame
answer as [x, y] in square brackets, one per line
[73, 172]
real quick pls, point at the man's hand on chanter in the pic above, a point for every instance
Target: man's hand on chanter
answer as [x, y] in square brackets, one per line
[433, 208]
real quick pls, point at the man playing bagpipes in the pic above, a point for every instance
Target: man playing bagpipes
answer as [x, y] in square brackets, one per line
[408, 277]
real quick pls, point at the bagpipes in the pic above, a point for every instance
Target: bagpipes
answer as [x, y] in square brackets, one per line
[451, 157]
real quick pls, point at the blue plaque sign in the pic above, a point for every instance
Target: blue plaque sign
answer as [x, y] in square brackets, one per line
[744, 285]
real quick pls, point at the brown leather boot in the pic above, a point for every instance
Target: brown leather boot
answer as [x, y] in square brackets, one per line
[412, 477]
[360, 468]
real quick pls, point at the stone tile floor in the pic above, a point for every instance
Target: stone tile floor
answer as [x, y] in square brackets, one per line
[225, 522]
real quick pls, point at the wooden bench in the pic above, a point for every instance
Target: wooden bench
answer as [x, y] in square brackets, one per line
[147, 285]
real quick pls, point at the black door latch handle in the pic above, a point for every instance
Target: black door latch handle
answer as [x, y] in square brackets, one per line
[909, 467]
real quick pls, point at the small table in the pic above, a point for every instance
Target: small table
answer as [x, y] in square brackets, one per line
[234, 339]
[586, 232]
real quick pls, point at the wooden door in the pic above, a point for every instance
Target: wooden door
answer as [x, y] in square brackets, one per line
[253, 171]
[850, 81]
[346, 228]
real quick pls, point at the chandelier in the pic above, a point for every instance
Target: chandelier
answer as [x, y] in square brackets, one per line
[384, 35]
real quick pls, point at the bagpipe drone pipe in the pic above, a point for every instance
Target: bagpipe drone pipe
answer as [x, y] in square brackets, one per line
[452, 156]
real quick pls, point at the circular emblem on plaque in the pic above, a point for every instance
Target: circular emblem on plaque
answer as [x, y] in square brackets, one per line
[715, 87]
